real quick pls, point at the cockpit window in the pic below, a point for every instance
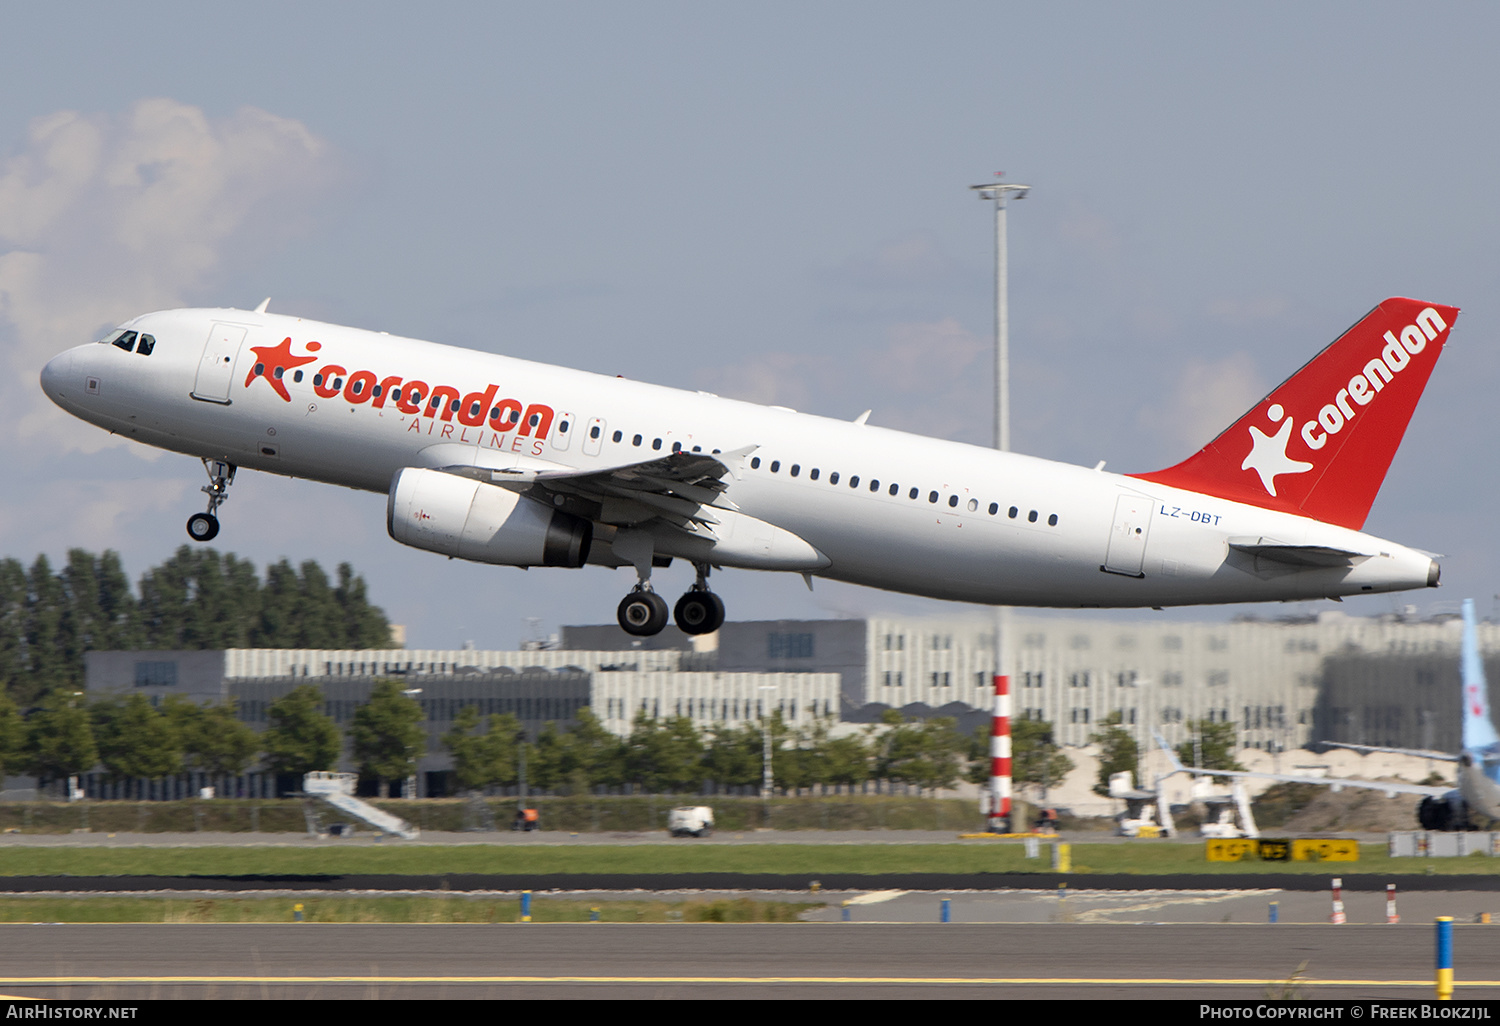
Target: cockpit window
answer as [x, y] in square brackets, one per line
[147, 343]
[126, 341]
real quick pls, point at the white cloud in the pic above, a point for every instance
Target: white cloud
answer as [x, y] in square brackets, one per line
[103, 217]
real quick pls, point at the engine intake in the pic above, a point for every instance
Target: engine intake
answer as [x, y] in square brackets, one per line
[461, 517]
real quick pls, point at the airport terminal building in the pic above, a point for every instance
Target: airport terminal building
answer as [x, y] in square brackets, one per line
[1285, 683]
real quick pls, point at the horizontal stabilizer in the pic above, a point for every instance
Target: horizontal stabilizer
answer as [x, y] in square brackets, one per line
[1296, 555]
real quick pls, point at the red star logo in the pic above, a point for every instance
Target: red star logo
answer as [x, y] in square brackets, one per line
[272, 361]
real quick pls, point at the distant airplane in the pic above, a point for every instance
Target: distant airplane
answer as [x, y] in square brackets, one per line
[1442, 808]
[499, 460]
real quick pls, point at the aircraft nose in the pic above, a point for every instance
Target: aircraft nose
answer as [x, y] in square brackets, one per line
[56, 375]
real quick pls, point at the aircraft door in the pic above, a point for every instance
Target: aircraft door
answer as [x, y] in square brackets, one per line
[216, 368]
[1127, 538]
[593, 440]
[562, 431]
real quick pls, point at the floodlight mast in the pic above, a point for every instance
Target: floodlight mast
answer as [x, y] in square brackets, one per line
[999, 811]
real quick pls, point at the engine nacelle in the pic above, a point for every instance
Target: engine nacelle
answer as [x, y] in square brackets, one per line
[462, 517]
[1449, 812]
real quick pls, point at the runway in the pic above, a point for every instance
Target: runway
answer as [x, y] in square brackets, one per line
[712, 961]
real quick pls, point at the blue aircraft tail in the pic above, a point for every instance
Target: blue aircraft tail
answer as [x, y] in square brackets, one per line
[1479, 731]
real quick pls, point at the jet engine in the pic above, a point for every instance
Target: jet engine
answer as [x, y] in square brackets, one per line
[1449, 812]
[459, 516]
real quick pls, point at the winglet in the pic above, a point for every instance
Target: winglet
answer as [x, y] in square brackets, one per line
[1320, 444]
[263, 304]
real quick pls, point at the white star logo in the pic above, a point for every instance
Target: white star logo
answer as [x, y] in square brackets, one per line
[1268, 456]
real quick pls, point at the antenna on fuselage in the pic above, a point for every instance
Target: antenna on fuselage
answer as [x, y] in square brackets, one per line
[263, 304]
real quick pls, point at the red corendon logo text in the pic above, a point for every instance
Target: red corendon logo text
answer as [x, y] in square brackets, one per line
[414, 397]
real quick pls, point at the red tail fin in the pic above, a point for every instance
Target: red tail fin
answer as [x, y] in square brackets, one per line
[1321, 442]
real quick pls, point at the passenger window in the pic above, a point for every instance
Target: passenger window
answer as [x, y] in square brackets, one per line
[973, 505]
[913, 494]
[282, 370]
[260, 370]
[775, 466]
[994, 508]
[755, 463]
[656, 443]
[895, 489]
[338, 383]
[1031, 516]
[126, 341]
[676, 446]
[932, 496]
[833, 478]
[874, 486]
[1052, 520]
[147, 343]
[317, 379]
[374, 391]
[854, 481]
[812, 475]
[952, 500]
[473, 410]
[1013, 512]
[636, 440]
[796, 469]
[297, 377]
[618, 436]
[594, 431]
[562, 428]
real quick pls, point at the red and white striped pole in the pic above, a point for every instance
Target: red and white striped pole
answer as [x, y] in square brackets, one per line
[1390, 904]
[1338, 901]
[1000, 758]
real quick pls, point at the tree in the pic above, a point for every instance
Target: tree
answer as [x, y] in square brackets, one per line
[1118, 751]
[300, 738]
[389, 735]
[1215, 745]
[921, 752]
[487, 759]
[134, 739]
[12, 738]
[732, 755]
[59, 739]
[1036, 756]
[665, 756]
[214, 740]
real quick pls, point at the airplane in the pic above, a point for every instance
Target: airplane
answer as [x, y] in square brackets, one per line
[501, 460]
[1441, 808]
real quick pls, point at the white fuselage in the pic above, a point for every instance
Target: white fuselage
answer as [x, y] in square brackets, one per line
[1078, 537]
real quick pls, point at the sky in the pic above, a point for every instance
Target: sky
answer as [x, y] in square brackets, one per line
[768, 201]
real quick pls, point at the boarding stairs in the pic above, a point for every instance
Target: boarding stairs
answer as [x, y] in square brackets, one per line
[337, 790]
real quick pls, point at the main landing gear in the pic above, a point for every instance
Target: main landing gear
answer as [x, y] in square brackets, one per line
[643, 612]
[204, 527]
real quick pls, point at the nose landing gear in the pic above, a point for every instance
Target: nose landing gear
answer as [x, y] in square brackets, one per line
[202, 527]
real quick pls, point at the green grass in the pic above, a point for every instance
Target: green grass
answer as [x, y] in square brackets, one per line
[810, 860]
[455, 909]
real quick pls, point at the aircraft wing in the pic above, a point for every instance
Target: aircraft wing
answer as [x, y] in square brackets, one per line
[1391, 788]
[681, 487]
[1420, 753]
